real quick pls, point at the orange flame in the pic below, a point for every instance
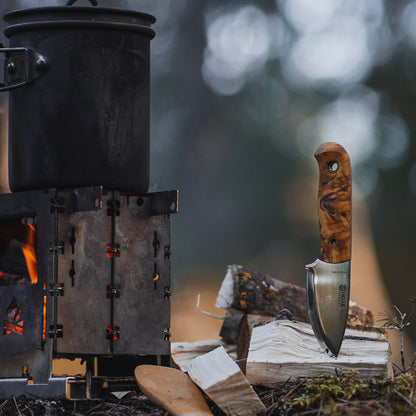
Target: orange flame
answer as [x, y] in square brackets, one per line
[44, 316]
[28, 251]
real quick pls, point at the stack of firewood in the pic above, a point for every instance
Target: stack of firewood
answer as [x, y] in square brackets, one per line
[267, 339]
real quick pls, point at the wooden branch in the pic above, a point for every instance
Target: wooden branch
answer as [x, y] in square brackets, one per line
[284, 349]
[221, 379]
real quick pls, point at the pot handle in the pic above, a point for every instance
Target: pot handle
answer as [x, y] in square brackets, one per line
[71, 2]
[21, 66]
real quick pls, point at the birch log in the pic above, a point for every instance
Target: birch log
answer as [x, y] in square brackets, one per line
[244, 335]
[284, 349]
[224, 383]
[184, 352]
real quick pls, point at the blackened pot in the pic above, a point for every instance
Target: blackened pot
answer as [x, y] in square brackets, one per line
[79, 81]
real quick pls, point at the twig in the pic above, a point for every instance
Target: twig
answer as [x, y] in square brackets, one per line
[404, 398]
[207, 313]
[399, 321]
[3, 405]
[95, 407]
[307, 412]
[30, 410]
[320, 407]
[17, 407]
[291, 391]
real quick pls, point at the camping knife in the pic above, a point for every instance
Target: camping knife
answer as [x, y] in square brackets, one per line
[328, 278]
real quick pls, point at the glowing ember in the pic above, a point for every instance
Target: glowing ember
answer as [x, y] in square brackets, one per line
[15, 321]
[113, 332]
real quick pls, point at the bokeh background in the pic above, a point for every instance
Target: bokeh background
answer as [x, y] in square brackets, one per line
[243, 92]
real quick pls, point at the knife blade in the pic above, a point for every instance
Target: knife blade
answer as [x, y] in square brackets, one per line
[328, 277]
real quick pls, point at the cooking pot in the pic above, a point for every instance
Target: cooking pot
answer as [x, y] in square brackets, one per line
[78, 79]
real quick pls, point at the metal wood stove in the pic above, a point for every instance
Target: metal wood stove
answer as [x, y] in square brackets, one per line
[84, 250]
[83, 273]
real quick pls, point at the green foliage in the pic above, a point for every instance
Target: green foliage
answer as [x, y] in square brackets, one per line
[332, 394]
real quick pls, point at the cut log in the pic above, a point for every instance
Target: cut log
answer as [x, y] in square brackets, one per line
[223, 382]
[244, 335]
[230, 326]
[283, 349]
[259, 294]
[183, 352]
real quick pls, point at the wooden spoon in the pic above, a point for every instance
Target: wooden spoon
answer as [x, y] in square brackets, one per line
[172, 390]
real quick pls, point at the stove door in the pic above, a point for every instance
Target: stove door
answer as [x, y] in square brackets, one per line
[142, 273]
[116, 275]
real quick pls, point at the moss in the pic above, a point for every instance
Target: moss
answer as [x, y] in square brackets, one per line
[334, 395]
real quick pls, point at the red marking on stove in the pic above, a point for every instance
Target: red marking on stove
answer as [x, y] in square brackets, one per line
[113, 332]
[113, 250]
[15, 322]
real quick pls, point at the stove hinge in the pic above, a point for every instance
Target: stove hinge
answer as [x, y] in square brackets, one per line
[56, 247]
[57, 205]
[112, 331]
[167, 293]
[113, 207]
[113, 291]
[56, 289]
[56, 331]
[166, 334]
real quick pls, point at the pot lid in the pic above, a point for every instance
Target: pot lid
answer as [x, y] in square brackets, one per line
[78, 16]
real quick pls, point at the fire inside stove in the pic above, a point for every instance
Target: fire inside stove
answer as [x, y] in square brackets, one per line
[18, 266]
[18, 252]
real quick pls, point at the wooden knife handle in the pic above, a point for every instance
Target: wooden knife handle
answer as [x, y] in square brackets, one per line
[334, 202]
